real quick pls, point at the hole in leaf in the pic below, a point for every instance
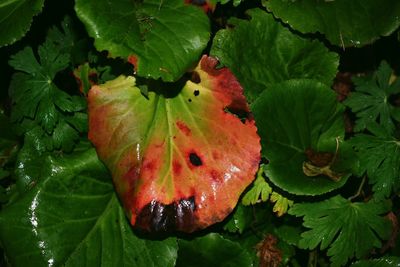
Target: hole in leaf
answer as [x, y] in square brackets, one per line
[196, 92]
[195, 159]
[195, 77]
[243, 115]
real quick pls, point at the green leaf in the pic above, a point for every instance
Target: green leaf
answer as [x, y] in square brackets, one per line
[386, 261]
[349, 229]
[261, 52]
[163, 39]
[344, 23]
[72, 217]
[379, 154]
[9, 143]
[294, 118]
[223, 2]
[27, 170]
[281, 205]
[68, 41]
[289, 234]
[16, 18]
[39, 103]
[240, 220]
[371, 102]
[260, 190]
[190, 155]
[3, 173]
[212, 250]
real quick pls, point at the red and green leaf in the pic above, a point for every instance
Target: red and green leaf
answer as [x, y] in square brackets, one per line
[177, 163]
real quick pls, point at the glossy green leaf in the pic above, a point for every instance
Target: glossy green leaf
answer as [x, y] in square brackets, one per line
[212, 250]
[181, 162]
[344, 23]
[293, 118]
[261, 52]
[163, 39]
[16, 18]
[379, 154]
[72, 217]
[348, 229]
[27, 170]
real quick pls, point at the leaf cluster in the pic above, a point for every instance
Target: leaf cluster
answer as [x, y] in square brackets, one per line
[37, 101]
[325, 194]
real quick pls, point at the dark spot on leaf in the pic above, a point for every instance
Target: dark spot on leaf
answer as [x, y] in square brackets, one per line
[195, 159]
[158, 217]
[190, 100]
[183, 128]
[176, 167]
[196, 92]
[195, 77]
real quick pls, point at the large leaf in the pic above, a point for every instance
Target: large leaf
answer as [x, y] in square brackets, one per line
[261, 52]
[297, 118]
[379, 154]
[344, 23]
[181, 162]
[162, 38]
[371, 99]
[349, 229]
[16, 17]
[72, 217]
[212, 250]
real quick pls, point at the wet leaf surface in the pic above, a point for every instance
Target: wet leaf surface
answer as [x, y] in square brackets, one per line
[162, 39]
[342, 22]
[261, 52]
[72, 217]
[293, 117]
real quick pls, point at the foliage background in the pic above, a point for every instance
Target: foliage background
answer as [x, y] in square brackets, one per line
[254, 234]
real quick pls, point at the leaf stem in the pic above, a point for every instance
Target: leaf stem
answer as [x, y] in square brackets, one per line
[357, 194]
[312, 258]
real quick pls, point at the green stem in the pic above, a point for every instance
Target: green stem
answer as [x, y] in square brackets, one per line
[357, 194]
